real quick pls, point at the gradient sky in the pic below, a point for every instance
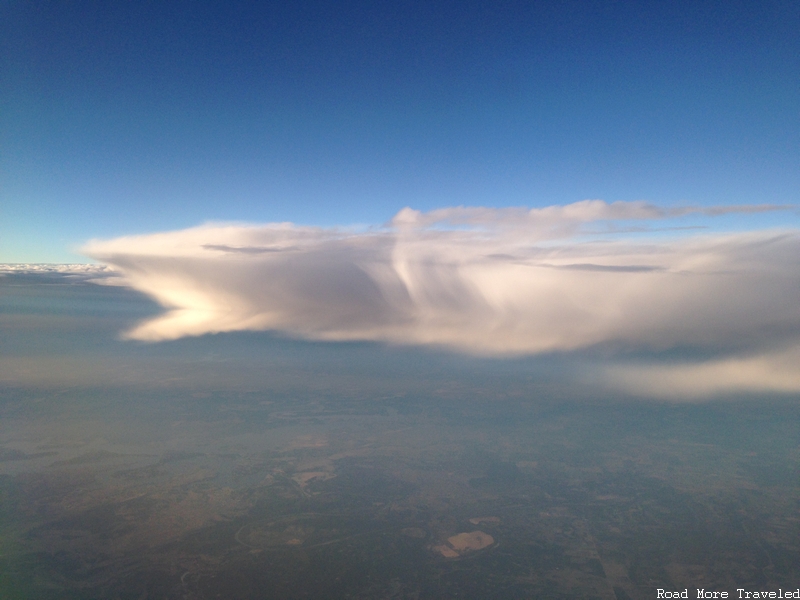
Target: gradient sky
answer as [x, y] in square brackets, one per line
[133, 117]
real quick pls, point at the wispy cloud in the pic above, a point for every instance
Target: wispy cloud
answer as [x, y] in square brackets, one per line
[777, 371]
[478, 280]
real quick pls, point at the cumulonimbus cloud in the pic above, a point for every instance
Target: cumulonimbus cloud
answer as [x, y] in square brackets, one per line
[484, 281]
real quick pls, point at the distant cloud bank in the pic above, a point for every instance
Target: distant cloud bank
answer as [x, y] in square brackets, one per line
[68, 269]
[495, 282]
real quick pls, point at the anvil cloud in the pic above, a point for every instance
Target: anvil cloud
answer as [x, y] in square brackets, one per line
[486, 281]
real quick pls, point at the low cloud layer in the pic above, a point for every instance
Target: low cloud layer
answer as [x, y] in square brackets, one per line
[770, 371]
[68, 269]
[491, 282]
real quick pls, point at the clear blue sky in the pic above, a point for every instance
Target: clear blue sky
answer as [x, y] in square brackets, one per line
[131, 117]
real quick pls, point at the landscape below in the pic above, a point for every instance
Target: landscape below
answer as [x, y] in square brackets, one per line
[247, 466]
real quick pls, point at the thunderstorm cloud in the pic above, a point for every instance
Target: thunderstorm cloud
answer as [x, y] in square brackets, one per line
[499, 282]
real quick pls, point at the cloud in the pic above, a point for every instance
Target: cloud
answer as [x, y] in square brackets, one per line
[770, 371]
[69, 269]
[561, 220]
[478, 280]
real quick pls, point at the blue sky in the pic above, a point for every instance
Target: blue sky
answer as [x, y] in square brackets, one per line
[134, 117]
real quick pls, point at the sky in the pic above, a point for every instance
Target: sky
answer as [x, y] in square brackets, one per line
[612, 182]
[130, 118]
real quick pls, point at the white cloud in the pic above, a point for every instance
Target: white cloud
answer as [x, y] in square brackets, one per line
[771, 371]
[71, 269]
[484, 281]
